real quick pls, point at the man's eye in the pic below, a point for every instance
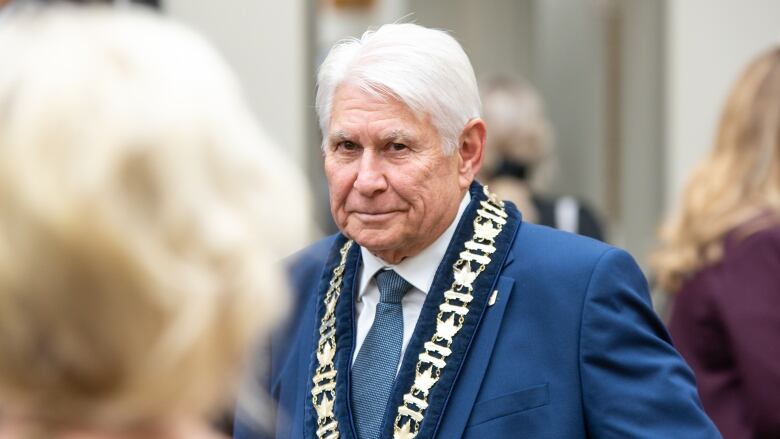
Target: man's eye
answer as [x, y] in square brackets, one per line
[397, 146]
[346, 146]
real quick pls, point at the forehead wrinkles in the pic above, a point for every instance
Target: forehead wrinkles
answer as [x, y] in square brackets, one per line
[351, 97]
[383, 123]
[385, 117]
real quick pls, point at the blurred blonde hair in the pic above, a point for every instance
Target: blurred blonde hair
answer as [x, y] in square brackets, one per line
[739, 179]
[141, 214]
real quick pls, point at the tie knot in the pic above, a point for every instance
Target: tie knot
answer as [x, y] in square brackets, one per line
[392, 286]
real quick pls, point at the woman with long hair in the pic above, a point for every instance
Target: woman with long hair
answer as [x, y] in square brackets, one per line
[720, 257]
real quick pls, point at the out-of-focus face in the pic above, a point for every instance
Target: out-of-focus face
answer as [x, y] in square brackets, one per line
[392, 188]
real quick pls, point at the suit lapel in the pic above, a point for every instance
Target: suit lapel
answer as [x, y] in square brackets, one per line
[470, 380]
[344, 334]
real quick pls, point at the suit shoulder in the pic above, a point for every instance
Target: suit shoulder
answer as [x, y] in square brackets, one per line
[312, 256]
[555, 254]
[305, 267]
[542, 239]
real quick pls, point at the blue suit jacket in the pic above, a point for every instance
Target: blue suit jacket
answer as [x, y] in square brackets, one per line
[570, 349]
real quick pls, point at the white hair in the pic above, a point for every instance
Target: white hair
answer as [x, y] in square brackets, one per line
[426, 69]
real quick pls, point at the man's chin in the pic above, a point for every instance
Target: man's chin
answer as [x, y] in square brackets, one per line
[375, 241]
[384, 244]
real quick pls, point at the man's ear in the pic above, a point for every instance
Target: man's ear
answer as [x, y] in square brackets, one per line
[471, 151]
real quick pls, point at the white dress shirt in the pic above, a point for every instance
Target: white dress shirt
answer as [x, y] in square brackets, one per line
[419, 270]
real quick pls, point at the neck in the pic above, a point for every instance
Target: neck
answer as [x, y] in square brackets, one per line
[392, 257]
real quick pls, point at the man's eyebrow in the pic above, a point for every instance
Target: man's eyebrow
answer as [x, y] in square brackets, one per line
[338, 135]
[398, 135]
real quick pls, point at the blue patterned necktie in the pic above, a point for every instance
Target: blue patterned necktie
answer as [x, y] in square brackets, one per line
[373, 372]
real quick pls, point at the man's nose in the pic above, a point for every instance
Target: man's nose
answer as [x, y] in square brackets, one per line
[370, 178]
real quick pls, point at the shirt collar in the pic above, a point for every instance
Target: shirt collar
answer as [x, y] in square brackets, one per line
[420, 269]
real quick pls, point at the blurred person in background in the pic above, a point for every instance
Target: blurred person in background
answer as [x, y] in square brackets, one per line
[140, 220]
[518, 154]
[11, 6]
[720, 257]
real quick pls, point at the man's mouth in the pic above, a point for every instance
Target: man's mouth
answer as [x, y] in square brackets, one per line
[374, 216]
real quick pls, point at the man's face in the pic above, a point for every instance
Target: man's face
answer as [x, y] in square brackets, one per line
[392, 188]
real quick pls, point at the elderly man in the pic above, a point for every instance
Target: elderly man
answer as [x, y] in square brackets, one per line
[437, 312]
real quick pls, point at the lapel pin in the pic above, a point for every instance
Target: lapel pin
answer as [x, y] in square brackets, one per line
[493, 298]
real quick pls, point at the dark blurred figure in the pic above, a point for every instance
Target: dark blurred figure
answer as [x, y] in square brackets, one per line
[12, 4]
[141, 222]
[518, 154]
[721, 259]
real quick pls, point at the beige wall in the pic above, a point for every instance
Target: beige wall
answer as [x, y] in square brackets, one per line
[496, 34]
[569, 71]
[266, 43]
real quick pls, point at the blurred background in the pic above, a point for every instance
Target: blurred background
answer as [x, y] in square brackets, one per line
[633, 88]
